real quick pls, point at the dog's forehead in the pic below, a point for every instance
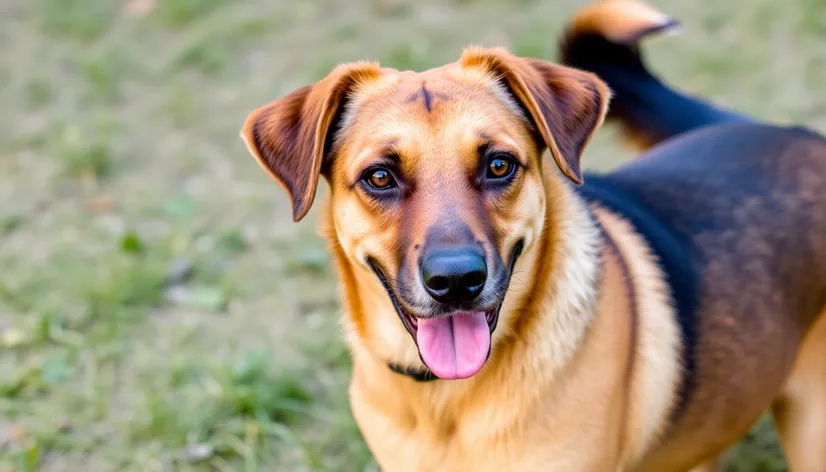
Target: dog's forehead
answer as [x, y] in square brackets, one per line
[432, 89]
[447, 101]
[442, 83]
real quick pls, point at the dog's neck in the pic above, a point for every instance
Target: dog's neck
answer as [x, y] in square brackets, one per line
[553, 290]
[564, 268]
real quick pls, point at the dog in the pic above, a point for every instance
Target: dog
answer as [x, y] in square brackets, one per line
[509, 313]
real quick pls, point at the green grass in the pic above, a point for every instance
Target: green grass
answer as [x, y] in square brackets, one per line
[158, 308]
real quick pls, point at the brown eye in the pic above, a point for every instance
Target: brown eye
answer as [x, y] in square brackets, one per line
[379, 179]
[499, 168]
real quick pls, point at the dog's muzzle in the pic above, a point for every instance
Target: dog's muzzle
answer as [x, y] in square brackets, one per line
[458, 344]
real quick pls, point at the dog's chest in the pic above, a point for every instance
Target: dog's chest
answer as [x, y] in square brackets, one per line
[566, 431]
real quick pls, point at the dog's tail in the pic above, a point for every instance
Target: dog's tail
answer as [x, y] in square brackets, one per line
[603, 38]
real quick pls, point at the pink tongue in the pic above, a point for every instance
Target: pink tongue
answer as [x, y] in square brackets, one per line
[455, 347]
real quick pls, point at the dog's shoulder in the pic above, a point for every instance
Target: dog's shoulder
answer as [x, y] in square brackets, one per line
[672, 253]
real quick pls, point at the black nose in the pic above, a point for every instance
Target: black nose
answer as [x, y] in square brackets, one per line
[455, 275]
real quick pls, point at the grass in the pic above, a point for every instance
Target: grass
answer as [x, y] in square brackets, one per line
[158, 309]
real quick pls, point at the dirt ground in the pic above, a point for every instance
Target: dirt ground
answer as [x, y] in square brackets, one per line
[159, 310]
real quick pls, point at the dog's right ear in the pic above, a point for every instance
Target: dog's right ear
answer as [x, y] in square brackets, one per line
[566, 105]
[290, 136]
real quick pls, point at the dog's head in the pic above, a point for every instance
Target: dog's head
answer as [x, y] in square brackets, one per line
[436, 187]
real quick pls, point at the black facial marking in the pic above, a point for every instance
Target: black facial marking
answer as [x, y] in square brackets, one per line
[427, 96]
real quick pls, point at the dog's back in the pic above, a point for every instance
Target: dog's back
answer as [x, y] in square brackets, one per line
[735, 211]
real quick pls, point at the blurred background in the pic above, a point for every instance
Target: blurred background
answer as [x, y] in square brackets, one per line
[158, 308]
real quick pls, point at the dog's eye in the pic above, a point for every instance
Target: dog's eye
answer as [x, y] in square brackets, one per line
[379, 179]
[500, 167]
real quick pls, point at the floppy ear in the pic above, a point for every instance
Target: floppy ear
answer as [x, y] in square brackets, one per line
[290, 136]
[567, 105]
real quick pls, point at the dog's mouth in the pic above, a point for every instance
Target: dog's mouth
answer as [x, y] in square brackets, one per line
[455, 345]
[411, 322]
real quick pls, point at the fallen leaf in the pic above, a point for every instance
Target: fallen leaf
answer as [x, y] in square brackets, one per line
[139, 7]
[100, 204]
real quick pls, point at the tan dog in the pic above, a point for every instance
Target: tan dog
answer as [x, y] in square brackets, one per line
[502, 317]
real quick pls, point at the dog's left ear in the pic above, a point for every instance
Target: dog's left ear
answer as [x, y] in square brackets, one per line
[290, 136]
[566, 105]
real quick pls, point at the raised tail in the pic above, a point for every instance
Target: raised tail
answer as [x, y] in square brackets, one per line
[604, 39]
